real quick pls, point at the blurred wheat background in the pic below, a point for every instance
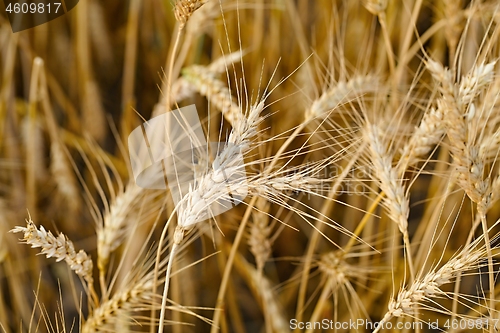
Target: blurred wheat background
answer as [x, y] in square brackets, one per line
[370, 135]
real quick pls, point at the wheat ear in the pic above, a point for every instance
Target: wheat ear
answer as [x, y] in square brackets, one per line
[60, 248]
[185, 8]
[428, 287]
[457, 105]
[110, 234]
[337, 275]
[396, 200]
[260, 230]
[428, 133]
[223, 180]
[341, 92]
[182, 88]
[204, 80]
[106, 312]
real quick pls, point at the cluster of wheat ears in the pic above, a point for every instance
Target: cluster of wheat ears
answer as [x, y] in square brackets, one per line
[354, 185]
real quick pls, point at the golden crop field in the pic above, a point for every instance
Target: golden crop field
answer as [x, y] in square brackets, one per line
[249, 166]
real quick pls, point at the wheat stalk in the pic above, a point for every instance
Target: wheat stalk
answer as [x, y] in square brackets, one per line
[347, 61]
[453, 14]
[262, 287]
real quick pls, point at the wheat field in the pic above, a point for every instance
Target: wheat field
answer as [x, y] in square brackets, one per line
[251, 166]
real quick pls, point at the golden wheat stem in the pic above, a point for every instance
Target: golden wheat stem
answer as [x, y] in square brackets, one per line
[381, 323]
[60, 166]
[129, 65]
[456, 290]
[406, 41]
[318, 309]
[92, 112]
[262, 288]
[301, 37]
[183, 53]
[232, 295]
[491, 270]
[183, 10]
[366, 217]
[34, 96]
[7, 75]
[176, 286]
[387, 39]
[31, 145]
[177, 242]
[171, 68]
[157, 264]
